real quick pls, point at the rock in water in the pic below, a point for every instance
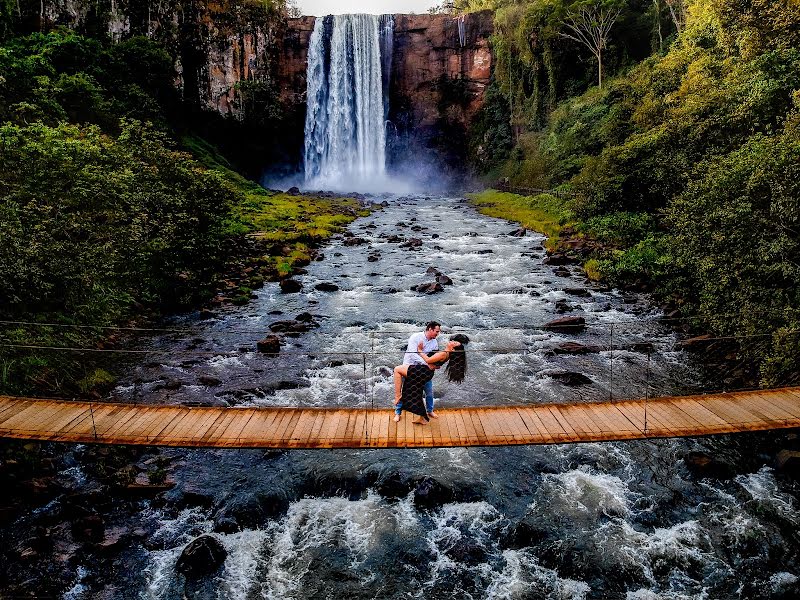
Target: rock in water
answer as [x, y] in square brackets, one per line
[290, 286]
[567, 325]
[203, 556]
[270, 345]
[326, 287]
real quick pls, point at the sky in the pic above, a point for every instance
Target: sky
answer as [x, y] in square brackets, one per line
[377, 7]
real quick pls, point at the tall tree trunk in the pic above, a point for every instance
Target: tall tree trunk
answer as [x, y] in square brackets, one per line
[600, 69]
[657, 5]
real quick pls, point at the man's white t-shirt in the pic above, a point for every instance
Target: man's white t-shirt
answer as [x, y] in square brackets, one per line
[411, 356]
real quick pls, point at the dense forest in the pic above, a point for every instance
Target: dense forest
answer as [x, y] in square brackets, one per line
[684, 163]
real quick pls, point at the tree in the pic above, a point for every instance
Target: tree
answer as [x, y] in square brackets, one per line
[677, 10]
[590, 24]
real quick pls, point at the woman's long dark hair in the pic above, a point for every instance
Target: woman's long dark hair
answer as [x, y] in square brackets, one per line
[457, 364]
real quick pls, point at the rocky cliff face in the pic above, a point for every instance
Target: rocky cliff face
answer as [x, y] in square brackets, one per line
[440, 68]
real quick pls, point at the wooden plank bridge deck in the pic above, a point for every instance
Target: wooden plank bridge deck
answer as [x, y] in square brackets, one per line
[242, 427]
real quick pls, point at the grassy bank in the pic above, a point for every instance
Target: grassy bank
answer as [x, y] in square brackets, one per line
[544, 213]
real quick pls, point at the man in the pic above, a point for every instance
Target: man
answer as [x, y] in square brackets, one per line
[429, 345]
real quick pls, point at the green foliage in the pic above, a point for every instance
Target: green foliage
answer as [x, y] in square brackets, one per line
[619, 229]
[94, 222]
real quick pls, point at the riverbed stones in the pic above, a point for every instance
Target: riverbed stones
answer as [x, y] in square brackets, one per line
[290, 286]
[562, 306]
[704, 465]
[292, 327]
[209, 381]
[203, 556]
[326, 287]
[270, 345]
[431, 493]
[355, 241]
[567, 325]
[428, 288]
[521, 232]
[412, 244]
[576, 291]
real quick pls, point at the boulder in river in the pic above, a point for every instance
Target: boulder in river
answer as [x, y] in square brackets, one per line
[270, 345]
[443, 279]
[575, 291]
[355, 241]
[562, 306]
[203, 556]
[557, 259]
[485, 251]
[209, 381]
[290, 286]
[412, 244]
[428, 288]
[567, 325]
[431, 493]
[373, 257]
[521, 232]
[704, 465]
[326, 287]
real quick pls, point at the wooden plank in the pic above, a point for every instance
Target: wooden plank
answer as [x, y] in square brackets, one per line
[474, 424]
[728, 410]
[359, 437]
[551, 424]
[572, 435]
[784, 403]
[285, 435]
[538, 434]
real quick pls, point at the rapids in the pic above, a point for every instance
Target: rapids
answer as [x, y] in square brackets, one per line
[616, 520]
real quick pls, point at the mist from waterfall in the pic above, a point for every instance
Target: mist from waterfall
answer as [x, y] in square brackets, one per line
[349, 69]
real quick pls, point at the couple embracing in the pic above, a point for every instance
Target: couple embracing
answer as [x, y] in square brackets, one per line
[414, 378]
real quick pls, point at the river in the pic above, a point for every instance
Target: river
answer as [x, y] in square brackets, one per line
[613, 520]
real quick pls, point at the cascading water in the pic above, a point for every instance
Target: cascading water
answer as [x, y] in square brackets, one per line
[349, 65]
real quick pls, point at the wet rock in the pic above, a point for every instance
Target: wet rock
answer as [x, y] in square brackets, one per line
[561, 272]
[207, 313]
[293, 191]
[788, 461]
[338, 254]
[557, 259]
[431, 493]
[567, 325]
[484, 251]
[412, 244]
[275, 312]
[570, 378]
[572, 348]
[521, 232]
[355, 241]
[269, 345]
[574, 291]
[526, 533]
[115, 539]
[209, 381]
[428, 288]
[336, 363]
[472, 234]
[395, 239]
[373, 258]
[89, 528]
[444, 280]
[203, 556]
[319, 257]
[435, 236]
[432, 271]
[467, 551]
[305, 317]
[562, 306]
[290, 286]
[703, 465]
[225, 524]
[172, 385]
[327, 287]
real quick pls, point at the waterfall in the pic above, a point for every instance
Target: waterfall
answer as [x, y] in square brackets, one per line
[462, 33]
[349, 66]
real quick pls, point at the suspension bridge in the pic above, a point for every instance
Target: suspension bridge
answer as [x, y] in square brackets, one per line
[307, 428]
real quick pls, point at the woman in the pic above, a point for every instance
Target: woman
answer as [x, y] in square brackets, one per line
[409, 380]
